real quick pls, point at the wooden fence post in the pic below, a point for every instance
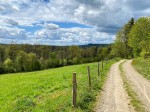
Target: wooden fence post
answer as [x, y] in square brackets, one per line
[89, 77]
[74, 81]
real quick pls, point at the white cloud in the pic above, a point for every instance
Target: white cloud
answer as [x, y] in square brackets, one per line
[71, 36]
[2, 8]
[12, 33]
[11, 22]
[51, 26]
[106, 17]
[15, 8]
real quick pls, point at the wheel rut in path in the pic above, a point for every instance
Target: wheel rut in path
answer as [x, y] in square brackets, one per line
[140, 84]
[114, 97]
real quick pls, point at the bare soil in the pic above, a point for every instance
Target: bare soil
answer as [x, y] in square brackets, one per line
[114, 98]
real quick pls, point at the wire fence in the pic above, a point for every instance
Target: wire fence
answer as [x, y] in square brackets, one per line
[83, 90]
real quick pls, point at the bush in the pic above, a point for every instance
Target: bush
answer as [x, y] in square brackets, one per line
[70, 62]
[64, 62]
[9, 66]
[23, 61]
[75, 60]
[43, 64]
[145, 54]
[34, 62]
[53, 63]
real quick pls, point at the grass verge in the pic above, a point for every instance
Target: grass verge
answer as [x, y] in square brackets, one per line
[142, 66]
[51, 90]
[135, 102]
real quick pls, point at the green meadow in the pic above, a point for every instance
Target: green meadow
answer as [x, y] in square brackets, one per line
[51, 90]
[142, 66]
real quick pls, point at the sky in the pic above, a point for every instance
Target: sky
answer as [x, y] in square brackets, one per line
[66, 22]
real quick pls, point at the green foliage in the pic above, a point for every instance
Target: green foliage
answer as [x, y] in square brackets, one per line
[2, 54]
[74, 52]
[34, 62]
[118, 50]
[133, 39]
[104, 53]
[142, 66]
[11, 52]
[53, 55]
[139, 36]
[37, 57]
[9, 66]
[145, 54]
[23, 62]
[53, 63]
[121, 47]
[43, 64]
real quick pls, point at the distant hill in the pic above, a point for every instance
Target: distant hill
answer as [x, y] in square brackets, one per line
[91, 45]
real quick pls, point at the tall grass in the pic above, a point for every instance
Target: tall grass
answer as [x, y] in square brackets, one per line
[142, 66]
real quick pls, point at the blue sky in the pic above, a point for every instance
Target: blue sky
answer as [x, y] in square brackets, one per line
[66, 22]
[38, 26]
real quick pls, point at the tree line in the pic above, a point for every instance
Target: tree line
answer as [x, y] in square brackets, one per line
[22, 58]
[133, 39]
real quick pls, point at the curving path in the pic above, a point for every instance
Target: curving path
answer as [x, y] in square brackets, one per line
[114, 97]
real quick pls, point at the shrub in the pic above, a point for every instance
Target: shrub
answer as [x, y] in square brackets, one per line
[23, 62]
[145, 54]
[34, 62]
[53, 63]
[43, 64]
[9, 66]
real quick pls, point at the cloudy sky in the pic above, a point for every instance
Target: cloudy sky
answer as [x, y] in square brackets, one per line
[66, 22]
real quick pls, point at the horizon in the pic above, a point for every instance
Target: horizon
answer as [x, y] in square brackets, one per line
[92, 44]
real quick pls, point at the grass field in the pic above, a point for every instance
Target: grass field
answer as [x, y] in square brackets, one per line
[142, 66]
[50, 90]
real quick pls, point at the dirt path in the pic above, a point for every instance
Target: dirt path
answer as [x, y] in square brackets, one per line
[114, 97]
[140, 85]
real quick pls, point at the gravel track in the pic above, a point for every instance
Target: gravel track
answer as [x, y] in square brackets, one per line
[114, 98]
[140, 84]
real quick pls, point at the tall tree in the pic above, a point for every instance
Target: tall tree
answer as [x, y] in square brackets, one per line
[22, 61]
[74, 51]
[34, 62]
[2, 54]
[127, 29]
[139, 36]
[122, 37]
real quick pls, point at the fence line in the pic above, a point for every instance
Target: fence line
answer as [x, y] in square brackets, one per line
[74, 81]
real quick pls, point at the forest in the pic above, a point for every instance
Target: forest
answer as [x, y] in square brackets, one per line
[133, 39]
[21, 58]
